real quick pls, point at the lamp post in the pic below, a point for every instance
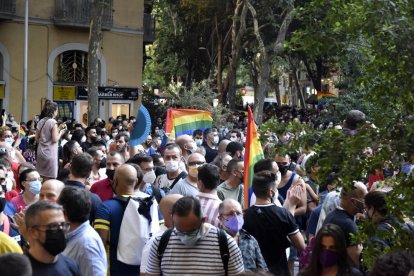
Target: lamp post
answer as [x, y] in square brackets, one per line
[26, 31]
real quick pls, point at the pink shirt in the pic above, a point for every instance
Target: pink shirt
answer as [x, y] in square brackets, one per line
[18, 203]
[210, 207]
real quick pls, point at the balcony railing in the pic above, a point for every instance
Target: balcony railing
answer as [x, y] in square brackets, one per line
[149, 28]
[77, 13]
[7, 9]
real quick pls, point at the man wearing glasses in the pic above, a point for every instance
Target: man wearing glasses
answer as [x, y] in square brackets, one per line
[188, 185]
[46, 233]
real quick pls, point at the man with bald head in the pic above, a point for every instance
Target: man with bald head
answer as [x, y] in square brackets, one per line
[51, 189]
[188, 185]
[223, 145]
[231, 219]
[187, 145]
[166, 206]
[109, 217]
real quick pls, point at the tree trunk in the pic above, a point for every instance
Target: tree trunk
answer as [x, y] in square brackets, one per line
[94, 52]
[237, 34]
[260, 94]
[298, 90]
[274, 84]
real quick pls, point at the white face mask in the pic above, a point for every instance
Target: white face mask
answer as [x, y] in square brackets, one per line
[216, 140]
[194, 147]
[233, 139]
[69, 137]
[9, 184]
[10, 175]
[171, 165]
[199, 142]
[149, 177]
[83, 139]
[159, 142]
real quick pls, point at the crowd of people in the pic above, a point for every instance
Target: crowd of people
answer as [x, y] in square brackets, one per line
[79, 200]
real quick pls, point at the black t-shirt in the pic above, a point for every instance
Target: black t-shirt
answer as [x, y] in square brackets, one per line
[64, 266]
[210, 153]
[344, 220]
[271, 225]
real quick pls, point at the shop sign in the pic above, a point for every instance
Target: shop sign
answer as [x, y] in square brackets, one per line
[63, 93]
[110, 93]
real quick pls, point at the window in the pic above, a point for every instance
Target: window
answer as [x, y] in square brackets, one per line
[120, 109]
[72, 67]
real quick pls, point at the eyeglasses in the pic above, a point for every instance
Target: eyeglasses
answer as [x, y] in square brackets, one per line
[56, 226]
[196, 163]
[30, 180]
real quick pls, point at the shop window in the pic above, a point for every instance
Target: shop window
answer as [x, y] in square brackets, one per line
[65, 109]
[119, 109]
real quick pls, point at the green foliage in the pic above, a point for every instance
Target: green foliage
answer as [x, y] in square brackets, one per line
[348, 156]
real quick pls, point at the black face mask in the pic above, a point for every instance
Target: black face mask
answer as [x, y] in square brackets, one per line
[2, 203]
[110, 174]
[283, 169]
[102, 164]
[55, 242]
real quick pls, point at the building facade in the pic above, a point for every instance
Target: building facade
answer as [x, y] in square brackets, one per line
[58, 35]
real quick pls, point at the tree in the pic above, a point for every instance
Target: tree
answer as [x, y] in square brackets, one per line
[270, 33]
[369, 43]
[94, 52]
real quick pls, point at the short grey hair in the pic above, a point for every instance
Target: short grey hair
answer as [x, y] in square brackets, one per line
[35, 209]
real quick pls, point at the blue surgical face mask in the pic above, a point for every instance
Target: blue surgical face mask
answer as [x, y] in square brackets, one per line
[9, 140]
[35, 186]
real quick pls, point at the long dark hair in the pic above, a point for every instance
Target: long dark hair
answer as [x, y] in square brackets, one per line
[328, 230]
[48, 109]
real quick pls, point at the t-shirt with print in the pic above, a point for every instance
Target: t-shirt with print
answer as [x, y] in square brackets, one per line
[164, 183]
[109, 217]
[271, 225]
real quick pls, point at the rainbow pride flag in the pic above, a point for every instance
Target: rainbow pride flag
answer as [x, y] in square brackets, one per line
[325, 94]
[185, 121]
[22, 133]
[253, 153]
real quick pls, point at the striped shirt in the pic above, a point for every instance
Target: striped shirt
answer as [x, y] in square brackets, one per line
[202, 259]
[210, 207]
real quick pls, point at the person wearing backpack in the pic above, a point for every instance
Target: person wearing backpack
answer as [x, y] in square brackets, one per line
[193, 247]
[109, 222]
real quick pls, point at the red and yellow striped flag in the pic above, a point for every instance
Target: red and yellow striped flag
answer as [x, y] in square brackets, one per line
[253, 153]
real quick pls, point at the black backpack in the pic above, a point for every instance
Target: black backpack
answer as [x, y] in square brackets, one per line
[224, 247]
